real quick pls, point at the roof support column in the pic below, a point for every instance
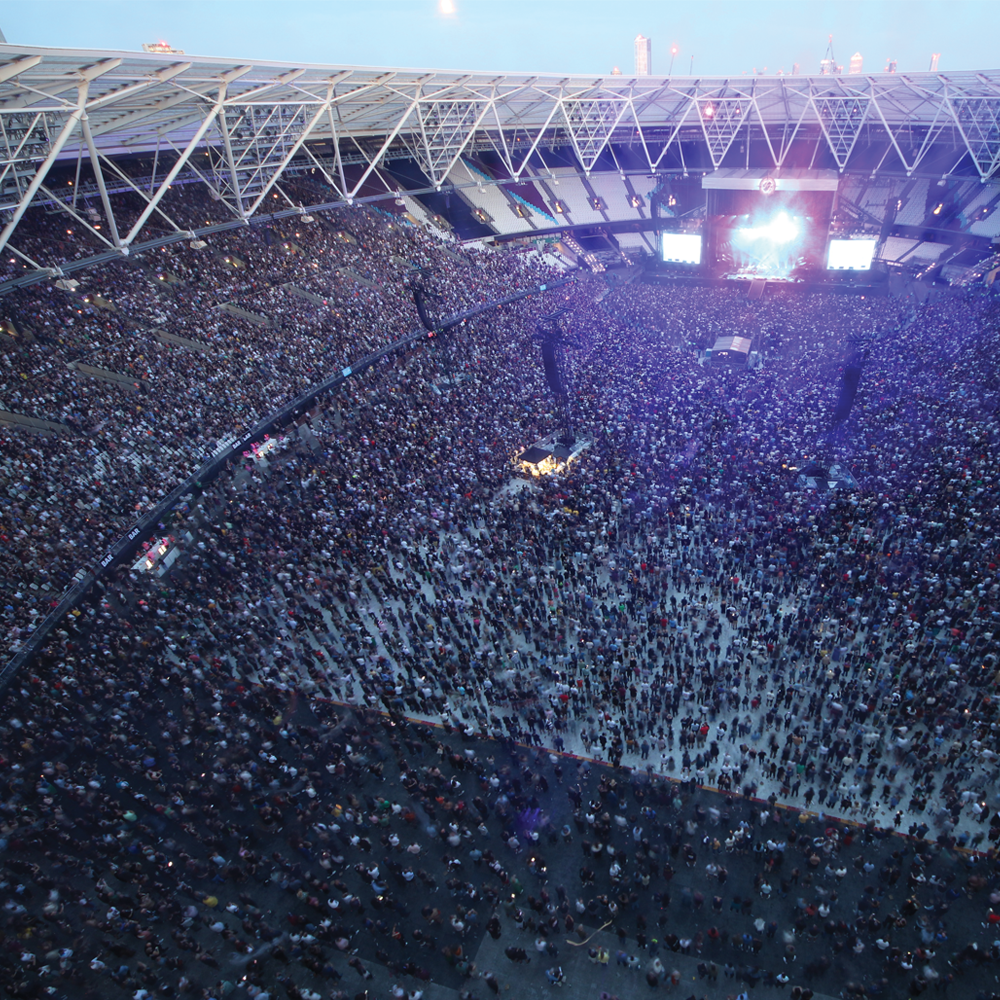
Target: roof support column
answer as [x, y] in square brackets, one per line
[234, 177]
[95, 164]
[336, 152]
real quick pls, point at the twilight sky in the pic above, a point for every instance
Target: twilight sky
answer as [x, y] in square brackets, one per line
[558, 36]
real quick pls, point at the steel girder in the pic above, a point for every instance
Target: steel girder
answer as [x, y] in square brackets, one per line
[237, 126]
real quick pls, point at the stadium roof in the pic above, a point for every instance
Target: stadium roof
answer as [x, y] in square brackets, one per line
[248, 121]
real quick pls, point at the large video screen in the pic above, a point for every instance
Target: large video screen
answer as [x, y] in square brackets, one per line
[851, 255]
[681, 248]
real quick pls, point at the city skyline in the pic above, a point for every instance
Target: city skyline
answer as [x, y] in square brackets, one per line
[485, 35]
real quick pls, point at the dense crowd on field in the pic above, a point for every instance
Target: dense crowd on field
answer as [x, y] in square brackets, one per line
[126, 442]
[198, 794]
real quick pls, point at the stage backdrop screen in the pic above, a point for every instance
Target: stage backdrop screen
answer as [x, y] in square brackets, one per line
[850, 255]
[681, 248]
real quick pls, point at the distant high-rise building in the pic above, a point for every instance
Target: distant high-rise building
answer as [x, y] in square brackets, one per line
[643, 56]
[855, 67]
[890, 66]
[934, 60]
[615, 71]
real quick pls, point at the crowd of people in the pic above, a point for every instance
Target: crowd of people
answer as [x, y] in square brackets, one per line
[223, 780]
[127, 444]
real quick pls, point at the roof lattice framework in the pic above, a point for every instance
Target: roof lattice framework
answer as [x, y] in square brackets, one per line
[239, 125]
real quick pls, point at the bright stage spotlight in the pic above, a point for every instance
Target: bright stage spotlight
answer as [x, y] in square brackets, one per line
[770, 247]
[762, 227]
[780, 230]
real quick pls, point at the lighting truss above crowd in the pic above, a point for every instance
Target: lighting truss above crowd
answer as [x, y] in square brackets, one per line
[239, 125]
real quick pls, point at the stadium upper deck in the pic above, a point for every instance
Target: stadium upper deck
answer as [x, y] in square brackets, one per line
[241, 123]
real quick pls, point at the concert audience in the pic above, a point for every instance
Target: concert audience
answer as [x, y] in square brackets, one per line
[222, 781]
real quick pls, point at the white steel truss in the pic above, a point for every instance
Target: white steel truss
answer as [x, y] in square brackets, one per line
[446, 127]
[978, 121]
[237, 126]
[722, 119]
[841, 117]
[591, 121]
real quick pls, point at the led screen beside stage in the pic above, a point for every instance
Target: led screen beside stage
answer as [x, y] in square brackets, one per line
[850, 255]
[680, 248]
